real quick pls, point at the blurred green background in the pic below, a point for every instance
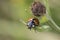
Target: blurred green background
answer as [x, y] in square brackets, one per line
[11, 11]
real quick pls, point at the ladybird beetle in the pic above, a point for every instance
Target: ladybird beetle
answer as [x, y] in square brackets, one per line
[32, 23]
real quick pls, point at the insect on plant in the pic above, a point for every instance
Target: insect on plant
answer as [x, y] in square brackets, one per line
[32, 23]
[38, 10]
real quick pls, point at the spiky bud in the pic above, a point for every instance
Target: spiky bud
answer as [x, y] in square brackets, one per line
[38, 9]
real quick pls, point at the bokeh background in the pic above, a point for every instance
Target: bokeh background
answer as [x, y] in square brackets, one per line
[11, 11]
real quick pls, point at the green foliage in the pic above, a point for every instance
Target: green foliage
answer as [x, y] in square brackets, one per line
[20, 9]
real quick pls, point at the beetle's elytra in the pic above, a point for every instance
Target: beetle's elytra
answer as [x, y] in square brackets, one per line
[32, 23]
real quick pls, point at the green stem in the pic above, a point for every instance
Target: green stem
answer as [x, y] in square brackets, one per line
[56, 27]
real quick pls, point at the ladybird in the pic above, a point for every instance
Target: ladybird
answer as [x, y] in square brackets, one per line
[32, 23]
[36, 21]
[38, 9]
